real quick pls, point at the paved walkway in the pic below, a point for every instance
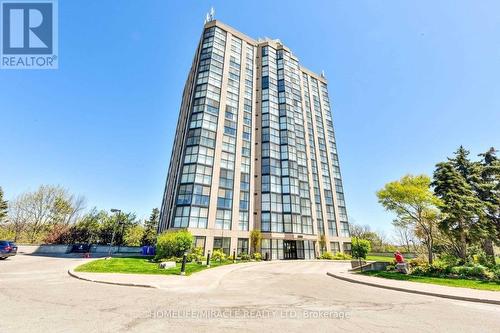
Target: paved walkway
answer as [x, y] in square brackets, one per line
[198, 282]
[466, 294]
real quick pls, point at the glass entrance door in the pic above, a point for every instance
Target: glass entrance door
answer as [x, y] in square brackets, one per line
[289, 249]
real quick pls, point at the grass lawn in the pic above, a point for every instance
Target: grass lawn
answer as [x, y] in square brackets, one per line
[379, 258]
[141, 265]
[463, 283]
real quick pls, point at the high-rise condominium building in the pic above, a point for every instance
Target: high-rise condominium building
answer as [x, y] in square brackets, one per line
[255, 149]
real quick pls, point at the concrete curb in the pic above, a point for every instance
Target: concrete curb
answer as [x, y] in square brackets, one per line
[412, 291]
[76, 276]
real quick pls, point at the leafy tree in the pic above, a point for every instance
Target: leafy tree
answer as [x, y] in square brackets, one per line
[322, 243]
[87, 229]
[414, 204]
[59, 234]
[255, 239]
[3, 206]
[454, 183]
[150, 228]
[133, 235]
[405, 235]
[38, 212]
[360, 247]
[376, 239]
[173, 243]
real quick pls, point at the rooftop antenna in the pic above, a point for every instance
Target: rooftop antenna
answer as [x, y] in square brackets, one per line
[323, 74]
[210, 15]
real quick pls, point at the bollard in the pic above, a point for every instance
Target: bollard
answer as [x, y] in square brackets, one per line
[267, 256]
[208, 258]
[183, 266]
[234, 256]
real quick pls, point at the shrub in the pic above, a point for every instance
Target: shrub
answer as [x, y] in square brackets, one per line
[173, 244]
[473, 271]
[255, 239]
[196, 254]
[327, 256]
[496, 272]
[341, 256]
[448, 259]
[257, 256]
[218, 255]
[439, 267]
[419, 261]
[360, 247]
[244, 256]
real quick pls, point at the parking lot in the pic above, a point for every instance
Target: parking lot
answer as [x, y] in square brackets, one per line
[37, 295]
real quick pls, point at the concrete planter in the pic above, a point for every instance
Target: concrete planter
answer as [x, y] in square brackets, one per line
[355, 263]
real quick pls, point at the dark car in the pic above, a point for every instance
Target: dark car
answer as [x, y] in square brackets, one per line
[81, 248]
[7, 249]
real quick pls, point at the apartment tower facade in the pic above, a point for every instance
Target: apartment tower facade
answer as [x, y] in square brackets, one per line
[255, 149]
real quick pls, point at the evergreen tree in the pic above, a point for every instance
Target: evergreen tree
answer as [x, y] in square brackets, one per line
[3, 206]
[454, 183]
[151, 226]
[489, 193]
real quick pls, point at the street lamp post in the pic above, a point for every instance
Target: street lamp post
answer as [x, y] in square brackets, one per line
[118, 211]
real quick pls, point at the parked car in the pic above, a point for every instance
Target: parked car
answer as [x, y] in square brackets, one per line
[81, 248]
[7, 249]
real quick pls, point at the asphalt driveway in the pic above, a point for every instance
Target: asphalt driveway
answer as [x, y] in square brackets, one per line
[37, 295]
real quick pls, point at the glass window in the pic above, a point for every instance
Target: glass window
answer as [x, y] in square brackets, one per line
[335, 247]
[222, 243]
[223, 219]
[199, 241]
[347, 248]
[242, 246]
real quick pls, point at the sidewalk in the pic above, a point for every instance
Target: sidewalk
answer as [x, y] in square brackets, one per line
[197, 283]
[462, 294]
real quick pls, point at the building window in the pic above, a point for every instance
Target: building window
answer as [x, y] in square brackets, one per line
[347, 248]
[242, 246]
[181, 218]
[335, 247]
[225, 198]
[344, 229]
[332, 228]
[223, 219]
[243, 222]
[199, 241]
[222, 243]
[198, 217]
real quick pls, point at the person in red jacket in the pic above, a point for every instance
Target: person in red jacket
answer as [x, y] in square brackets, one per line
[399, 257]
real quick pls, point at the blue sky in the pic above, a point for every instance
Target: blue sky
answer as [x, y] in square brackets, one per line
[409, 80]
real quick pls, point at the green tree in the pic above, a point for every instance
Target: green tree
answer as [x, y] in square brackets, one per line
[173, 243]
[3, 206]
[360, 247]
[489, 193]
[150, 228]
[255, 239]
[117, 224]
[411, 199]
[377, 242]
[454, 184]
[322, 243]
[133, 235]
[87, 229]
